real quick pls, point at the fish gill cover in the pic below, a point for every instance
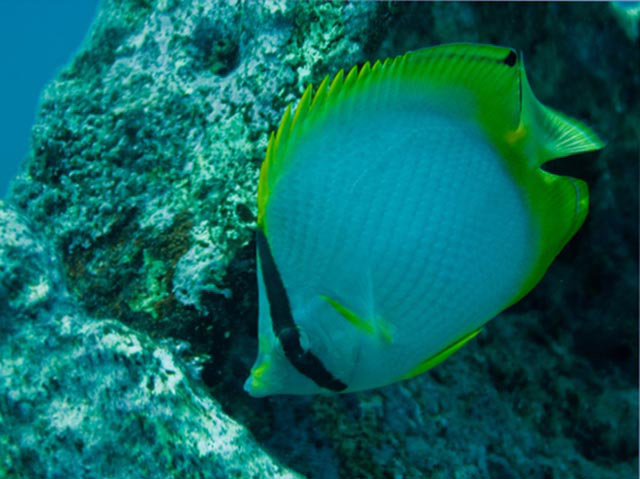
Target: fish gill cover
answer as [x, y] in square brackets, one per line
[128, 301]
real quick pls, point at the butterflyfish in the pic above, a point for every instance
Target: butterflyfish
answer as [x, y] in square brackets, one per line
[400, 207]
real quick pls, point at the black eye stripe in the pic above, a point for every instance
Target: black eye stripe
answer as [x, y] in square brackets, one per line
[284, 326]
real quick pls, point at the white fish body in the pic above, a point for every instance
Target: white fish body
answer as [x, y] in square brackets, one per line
[400, 210]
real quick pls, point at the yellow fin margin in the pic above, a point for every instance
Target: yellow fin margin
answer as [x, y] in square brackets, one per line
[441, 356]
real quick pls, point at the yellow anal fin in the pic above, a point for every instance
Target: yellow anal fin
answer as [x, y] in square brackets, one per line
[441, 356]
[378, 328]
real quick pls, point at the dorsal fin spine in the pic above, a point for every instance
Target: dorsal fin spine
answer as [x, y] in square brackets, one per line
[283, 129]
[321, 93]
[351, 79]
[375, 75]
[263, 186]
[303, 107]
[336, 83]
[364, 77]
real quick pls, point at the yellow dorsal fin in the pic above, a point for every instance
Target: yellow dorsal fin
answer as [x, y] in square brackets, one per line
[478, 80]
[483, 78]
[441, 356]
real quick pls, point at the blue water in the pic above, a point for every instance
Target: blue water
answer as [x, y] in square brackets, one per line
[37, 37]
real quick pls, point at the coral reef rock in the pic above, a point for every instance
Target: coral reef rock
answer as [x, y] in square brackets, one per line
[91, 398]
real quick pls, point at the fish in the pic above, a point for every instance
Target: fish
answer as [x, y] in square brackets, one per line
[401, 207]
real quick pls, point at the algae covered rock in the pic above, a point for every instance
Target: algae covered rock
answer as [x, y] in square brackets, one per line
[141, 184]
[87, 397]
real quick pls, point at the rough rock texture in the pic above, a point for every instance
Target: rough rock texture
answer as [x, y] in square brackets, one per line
[89, 398]
[142, 175]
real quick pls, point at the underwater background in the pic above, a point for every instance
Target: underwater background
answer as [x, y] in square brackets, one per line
[128, 299]
[37, 37]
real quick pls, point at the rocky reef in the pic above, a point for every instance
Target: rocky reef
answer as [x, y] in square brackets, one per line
[128, 301]
[89, 397]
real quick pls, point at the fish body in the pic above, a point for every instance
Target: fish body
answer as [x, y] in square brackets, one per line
[401, 207]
